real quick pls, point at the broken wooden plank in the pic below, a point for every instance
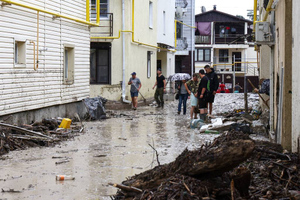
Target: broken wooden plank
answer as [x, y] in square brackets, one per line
[126, 188]
[23, 130]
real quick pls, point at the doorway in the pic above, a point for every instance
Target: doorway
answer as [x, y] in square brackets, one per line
[236, 61]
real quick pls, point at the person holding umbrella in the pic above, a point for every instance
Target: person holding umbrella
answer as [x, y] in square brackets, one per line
[135, 88]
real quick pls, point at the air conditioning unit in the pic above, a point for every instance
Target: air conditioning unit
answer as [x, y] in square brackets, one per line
[263, 33]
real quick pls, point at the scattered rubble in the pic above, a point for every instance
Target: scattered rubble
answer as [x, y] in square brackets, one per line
[233, 166]
[44, 133]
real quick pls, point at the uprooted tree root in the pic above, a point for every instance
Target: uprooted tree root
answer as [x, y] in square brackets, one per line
[232, 167]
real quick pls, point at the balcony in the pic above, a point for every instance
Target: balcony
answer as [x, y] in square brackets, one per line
[202, 39]
[230, 39]
[106, 26]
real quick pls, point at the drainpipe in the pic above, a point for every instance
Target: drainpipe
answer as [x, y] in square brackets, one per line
[123, 55]
[37, 40]
[192, 39]
[277, 137]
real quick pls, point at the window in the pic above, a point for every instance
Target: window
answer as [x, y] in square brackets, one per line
[20, 53]
[69, 64]
[179, 28]
[150, 14]
[164, 22]
[202, 55]
[100, 64]
[223, 55]
[103, 9]
[149, 53]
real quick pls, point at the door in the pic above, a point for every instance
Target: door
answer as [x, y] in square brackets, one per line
[236, 60]
[178, 64]
[158, 64]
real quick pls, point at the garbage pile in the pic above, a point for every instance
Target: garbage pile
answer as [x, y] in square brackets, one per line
[95, 108]
[44, 133]
[253, 122]
[233, 166]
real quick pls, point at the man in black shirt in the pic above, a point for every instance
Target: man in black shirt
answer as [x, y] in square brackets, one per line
[213, 85]
[202, 95]
[160, 88]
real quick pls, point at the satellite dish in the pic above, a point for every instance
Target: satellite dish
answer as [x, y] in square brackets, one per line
[203, 9]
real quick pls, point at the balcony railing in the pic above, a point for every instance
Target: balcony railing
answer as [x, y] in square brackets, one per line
[106, 25]
[202, 39]
[229, 38]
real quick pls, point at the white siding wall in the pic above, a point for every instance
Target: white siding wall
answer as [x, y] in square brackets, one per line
[23, 89]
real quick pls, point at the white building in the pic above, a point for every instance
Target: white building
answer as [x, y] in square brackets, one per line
[224, 41]
[44, 57]
[166, 36]
[185, 35]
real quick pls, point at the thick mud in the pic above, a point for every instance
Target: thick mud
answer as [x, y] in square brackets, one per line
[108, 151]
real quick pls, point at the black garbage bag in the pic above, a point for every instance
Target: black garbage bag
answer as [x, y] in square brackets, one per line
[243, 127]
[95, 107]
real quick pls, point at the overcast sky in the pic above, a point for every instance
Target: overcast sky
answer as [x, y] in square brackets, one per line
[233, 7]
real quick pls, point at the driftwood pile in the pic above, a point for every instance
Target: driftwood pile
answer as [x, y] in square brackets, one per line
[233, 166]
[44, 133]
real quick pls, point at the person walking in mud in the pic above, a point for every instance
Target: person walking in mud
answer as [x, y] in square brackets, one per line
[134, 90]
[182, 97]
[160, 84]
[213, 85]
[202, 94]
[192, 89]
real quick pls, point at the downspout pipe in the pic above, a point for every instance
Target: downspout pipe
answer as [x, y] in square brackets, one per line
[271, 122]
[192, 38]
[123, 56]
[37, 39]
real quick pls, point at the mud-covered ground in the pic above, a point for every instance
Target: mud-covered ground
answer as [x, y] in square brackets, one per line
[108, 151]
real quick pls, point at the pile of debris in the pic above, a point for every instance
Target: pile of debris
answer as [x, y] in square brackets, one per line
[252, 122]
[44, 133]
[233, 166]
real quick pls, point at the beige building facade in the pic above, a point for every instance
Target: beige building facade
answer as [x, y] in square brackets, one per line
[130, 47]
[278, 61]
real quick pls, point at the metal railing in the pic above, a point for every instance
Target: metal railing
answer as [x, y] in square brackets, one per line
[202, 39]
[229, 38]
[107, 25]
[248, 67]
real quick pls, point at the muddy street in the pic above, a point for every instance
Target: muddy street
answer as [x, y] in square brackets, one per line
[108, 151]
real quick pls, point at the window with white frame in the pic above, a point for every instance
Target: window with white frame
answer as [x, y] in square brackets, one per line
[202, 55]
[20, 53]
[103, 9]
[69, 64]
[223, 55]
[150, 14]
[149, 53]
